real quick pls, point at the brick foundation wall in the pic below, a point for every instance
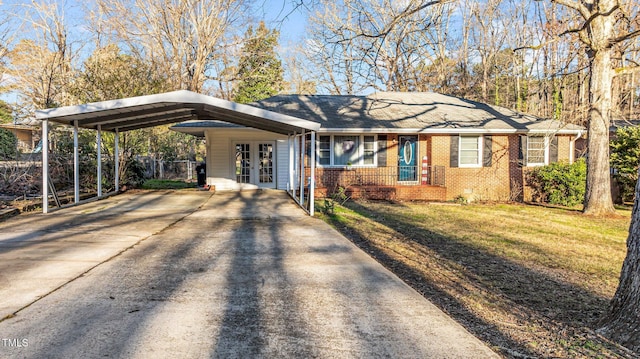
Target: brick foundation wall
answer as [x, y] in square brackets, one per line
[391, 193]
[374, 183]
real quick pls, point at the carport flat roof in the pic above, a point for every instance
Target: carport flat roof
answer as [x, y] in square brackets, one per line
[172, 107]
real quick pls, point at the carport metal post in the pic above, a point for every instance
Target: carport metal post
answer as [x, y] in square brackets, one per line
[116, 160]
[293, 170]
[301, 153]
[45, 166]
[99, 160]
[76, 164]
[291, 162]
[312, 170]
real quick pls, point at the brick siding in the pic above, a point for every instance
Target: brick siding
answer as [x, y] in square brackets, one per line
[502, 181]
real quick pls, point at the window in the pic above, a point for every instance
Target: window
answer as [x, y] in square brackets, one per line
[369, 150]
[343, 150]
[536, 151]
[470, 151]
[324, 150]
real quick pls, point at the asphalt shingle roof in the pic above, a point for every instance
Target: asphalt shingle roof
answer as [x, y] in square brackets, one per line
[405, 110]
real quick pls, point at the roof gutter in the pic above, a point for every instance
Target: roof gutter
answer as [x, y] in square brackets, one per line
[450, 131]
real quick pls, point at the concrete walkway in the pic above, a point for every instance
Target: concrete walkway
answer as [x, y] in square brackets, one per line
[190, 275]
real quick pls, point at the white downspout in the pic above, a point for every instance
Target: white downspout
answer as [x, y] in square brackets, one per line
[294, 169]
[290, 185]
[116, 160]
[572, 147]
[312, 179]
[302, 150]
[76, 164]
[45, 166]
[99, 160]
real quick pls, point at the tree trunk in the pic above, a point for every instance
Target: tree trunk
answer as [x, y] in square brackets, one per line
[598, 200]
[485, 81]
[622, 323]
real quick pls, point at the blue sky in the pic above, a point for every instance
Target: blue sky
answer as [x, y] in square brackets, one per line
[283, 14]
[280, 14]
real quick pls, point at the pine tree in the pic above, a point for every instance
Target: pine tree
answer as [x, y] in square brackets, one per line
[5, 112]
[259, 69]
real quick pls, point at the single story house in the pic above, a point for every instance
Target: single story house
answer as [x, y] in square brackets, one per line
[389, 145]
[25, 134]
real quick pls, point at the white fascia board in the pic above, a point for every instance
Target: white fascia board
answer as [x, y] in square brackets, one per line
[146, 100]
[448, 131]
[368, 130]
[182, 96]
[414, 130]
[557, 132]
[253, 111]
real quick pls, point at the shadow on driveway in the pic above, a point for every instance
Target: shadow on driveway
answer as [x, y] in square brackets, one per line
[245, 274]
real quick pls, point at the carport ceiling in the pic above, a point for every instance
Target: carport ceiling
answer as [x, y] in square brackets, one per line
[172, 107]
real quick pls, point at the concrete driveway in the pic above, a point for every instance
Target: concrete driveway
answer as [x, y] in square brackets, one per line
[193, 275]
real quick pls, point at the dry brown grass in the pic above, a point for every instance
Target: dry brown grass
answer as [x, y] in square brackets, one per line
[529, 281]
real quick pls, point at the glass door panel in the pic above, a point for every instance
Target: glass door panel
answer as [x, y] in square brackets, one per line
[265, 163]
[243, 163]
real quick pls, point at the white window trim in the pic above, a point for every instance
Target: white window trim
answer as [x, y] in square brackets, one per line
[546, 152]
[480, 154]
[360, 150]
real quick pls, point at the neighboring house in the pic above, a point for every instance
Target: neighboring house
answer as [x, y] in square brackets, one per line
[422, 146]
[616, 186]
[25, 134]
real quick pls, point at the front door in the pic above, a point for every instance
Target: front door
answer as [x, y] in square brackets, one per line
[407, 162]
[255, 163]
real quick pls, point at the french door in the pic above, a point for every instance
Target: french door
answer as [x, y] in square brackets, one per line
[254, 163]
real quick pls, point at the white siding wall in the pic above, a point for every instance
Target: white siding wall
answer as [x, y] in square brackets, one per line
[282, 162]
[220, 161]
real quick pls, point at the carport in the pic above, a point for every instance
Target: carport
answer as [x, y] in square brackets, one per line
[172, 107]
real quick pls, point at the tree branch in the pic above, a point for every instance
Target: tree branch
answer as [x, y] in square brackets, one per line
[407, 12]
[575, 5]
[627, 70]
[627, 36]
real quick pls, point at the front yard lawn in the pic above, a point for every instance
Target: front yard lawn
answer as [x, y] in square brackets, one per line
[530, 281]
[167, 184]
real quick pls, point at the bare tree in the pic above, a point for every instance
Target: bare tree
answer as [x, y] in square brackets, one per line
[622, 322]
[602, 26]
[335, 62]
[489, 35]
[444, 63]
[181, 37]
[298, 80]
[6, 38]
[223, 72]
[372, 44]
[109, 74]
[605, 27]
[42, 63]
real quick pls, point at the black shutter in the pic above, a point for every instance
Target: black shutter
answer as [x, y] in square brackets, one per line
[522, 151]
[382, 150]
[453, 151]
[553, 150]
[487, 151]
